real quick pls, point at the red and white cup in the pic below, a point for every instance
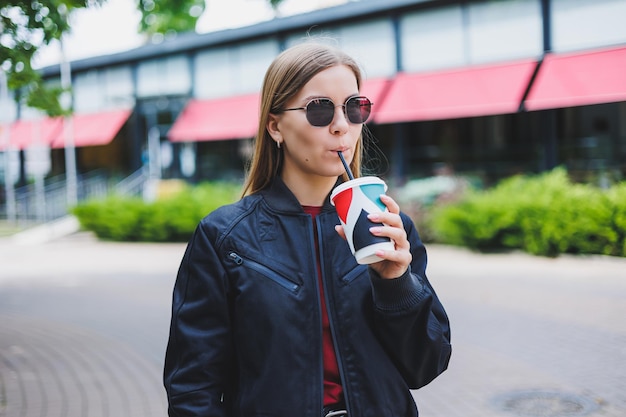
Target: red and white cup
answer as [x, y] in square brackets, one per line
[354, 200]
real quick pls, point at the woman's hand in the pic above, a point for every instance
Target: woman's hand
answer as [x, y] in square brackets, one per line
[395, 262]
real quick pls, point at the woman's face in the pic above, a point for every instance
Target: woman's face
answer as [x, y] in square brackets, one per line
[311, 151]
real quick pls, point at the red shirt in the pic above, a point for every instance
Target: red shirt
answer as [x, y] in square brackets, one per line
[333, 392]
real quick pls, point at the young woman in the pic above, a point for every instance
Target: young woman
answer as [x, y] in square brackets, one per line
[271, 314]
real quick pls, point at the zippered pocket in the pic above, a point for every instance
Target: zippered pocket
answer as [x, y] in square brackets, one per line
[353, 274]
[263, 270]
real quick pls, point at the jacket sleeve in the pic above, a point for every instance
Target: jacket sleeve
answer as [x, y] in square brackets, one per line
[410, 320]
[199, 348]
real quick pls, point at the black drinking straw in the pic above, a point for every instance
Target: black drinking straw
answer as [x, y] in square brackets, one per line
[345, 165]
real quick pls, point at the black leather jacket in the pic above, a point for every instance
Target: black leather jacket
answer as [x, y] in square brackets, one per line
[246, 332]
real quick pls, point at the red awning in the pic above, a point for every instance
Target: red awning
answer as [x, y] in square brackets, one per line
[375, 89]
[467, 92]
[236, 117]
[94, 129]
[28, 133]
[578, 79]
[217, 119]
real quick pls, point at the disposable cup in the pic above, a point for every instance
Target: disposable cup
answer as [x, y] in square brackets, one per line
[354, 200]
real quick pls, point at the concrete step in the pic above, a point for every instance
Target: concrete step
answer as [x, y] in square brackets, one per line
[47, 232]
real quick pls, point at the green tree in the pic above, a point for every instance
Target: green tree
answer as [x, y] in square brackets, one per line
[169, 16]
[27, 25]
[275, 3]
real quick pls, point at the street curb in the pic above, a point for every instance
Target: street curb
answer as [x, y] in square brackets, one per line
[47, 232]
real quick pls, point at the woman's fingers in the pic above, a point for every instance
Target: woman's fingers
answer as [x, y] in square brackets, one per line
[396, 261]
[340, 231]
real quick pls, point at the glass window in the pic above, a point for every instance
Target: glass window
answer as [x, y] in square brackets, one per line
[103, 89]
[621, 137]
[579, 24]
[504, 30]
[432, 39]
[119, 86]
[164, 76]
[178, 80]
[233, 70]
[148, 79]
[87, 92]
[590, 142]
[212, 73]
[251, 63]
[372, 44]
[485, 149]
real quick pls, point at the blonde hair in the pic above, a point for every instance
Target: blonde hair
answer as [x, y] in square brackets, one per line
[286, 75]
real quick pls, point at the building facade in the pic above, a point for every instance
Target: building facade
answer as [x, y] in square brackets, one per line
[490, 88]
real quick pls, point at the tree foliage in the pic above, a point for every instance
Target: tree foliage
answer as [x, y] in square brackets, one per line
[275, 3]
[27, 25]
[169, 16]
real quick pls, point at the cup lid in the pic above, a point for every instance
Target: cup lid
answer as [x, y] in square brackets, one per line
[355, 183]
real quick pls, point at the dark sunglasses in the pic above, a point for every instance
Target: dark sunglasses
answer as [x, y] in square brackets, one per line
[321, 111]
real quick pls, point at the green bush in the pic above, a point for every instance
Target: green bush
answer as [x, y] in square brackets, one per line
[617, 197]
[170, 219]
[114, 218]
[545, 215]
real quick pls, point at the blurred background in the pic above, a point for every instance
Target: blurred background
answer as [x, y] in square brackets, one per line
[500, 126]
[483, 89]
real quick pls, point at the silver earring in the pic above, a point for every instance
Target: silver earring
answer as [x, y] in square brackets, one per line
[278, 144]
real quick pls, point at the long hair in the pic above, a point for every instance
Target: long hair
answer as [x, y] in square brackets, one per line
[284, 78]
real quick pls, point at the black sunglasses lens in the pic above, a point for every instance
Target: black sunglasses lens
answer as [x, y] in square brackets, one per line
[358, 109]
[320, 112]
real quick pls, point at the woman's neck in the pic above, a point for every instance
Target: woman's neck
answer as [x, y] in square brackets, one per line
[311, 191]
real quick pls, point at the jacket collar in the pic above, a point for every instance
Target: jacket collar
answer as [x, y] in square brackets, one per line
[280, 198]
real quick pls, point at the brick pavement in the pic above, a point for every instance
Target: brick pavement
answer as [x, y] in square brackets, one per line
[83, 327]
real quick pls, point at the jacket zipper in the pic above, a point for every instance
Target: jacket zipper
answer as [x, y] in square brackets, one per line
[263, 270]
[319, 301]
[333, 331]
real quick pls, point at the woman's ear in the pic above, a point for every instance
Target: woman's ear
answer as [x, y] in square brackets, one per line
[272, 128]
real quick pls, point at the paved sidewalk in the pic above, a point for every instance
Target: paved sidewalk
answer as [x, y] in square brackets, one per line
[531, 336]
[83, 328]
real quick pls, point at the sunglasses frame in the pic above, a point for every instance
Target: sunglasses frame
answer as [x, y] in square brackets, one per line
[344, 106]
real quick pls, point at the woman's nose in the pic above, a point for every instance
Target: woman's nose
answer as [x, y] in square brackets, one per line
[339, 124]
